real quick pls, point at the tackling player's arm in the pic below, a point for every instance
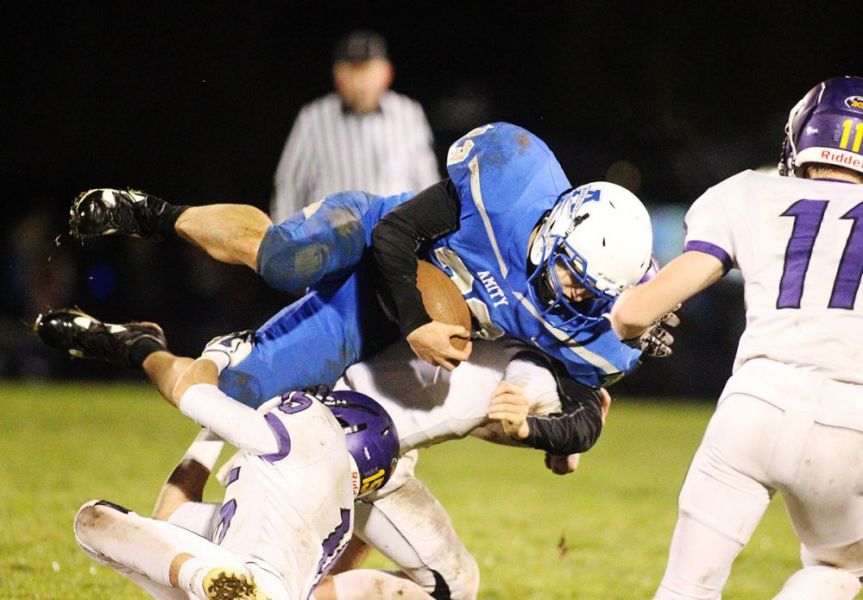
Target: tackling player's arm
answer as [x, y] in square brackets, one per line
[573, 430]
[638, 308]
[428, 216]
[197, 395]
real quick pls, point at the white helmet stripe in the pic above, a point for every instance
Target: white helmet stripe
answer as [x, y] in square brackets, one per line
[476, 196]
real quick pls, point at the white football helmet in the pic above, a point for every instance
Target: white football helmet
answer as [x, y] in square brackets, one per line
[601, 233]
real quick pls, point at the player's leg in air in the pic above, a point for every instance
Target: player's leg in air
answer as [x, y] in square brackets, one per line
[325, 239]
[338, 322]
[309, 342]
[136, 344]
[230, 233]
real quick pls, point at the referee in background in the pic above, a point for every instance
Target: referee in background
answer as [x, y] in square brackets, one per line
[363, 136]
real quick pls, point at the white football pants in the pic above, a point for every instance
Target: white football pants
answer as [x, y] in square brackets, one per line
[781, 428]
[142, 549]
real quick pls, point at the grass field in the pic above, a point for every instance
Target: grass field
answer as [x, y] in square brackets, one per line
[601, 533]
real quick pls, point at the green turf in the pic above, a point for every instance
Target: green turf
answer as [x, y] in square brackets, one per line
[601, 533]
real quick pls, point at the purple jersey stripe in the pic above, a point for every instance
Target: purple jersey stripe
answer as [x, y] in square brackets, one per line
[335, 543]
[233, 476]
[712, 250]
[227, 512]
[282, 437]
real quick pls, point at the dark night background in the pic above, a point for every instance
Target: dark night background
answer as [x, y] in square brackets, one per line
[192, 101]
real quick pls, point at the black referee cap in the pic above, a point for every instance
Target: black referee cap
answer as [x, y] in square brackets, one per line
[360, 45]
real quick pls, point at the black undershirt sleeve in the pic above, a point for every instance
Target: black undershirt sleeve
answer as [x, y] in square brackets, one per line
[577, 427]
[399, 236]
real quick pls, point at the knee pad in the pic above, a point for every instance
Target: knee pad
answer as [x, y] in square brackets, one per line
[299, 252]
[290, 265]
[822, 582]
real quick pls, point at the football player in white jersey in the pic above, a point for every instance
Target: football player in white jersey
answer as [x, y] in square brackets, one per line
[790, 418]
[288, 508]
[505, 381]
[403, 520]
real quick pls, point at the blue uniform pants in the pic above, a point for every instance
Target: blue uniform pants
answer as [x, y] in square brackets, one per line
[338, 322]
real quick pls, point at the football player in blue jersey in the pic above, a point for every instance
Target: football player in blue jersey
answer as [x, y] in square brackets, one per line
[535, 259]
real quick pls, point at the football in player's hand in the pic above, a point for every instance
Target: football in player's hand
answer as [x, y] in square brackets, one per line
[441, 299]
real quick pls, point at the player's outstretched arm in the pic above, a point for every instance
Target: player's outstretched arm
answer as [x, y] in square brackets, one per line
[198, 396]
[640, 307]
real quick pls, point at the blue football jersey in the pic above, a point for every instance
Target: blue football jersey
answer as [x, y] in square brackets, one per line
[507, 179]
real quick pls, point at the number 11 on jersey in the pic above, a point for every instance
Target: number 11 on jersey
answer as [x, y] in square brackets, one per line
[808, 216]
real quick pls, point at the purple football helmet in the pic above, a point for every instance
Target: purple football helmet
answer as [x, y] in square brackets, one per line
[826, 126]
[373, 441]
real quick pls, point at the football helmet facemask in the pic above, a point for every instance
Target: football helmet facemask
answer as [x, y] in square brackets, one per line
[599, 232]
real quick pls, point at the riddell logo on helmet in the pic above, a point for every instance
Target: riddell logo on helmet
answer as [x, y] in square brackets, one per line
[842, 158]
[854, 102]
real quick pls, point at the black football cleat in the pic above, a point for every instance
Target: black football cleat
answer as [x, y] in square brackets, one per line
[105, 212]
[83, 336]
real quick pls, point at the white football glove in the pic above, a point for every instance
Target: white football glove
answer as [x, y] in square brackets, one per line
[229, 350]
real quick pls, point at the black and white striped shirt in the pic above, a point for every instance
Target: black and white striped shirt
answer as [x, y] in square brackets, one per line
[330, 150]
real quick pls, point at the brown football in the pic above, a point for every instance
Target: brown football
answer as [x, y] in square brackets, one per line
[441, 299]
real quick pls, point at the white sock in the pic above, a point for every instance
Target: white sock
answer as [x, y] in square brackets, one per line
[191, 575]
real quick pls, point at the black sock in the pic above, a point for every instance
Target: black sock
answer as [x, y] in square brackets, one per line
[143, 348]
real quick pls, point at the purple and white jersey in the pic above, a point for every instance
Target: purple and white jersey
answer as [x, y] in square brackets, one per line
[288, 506]
[799, 246]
